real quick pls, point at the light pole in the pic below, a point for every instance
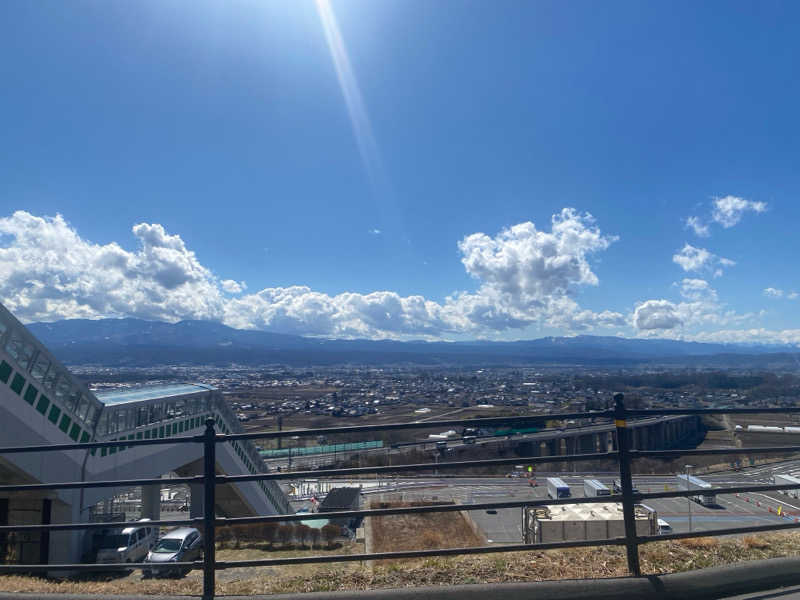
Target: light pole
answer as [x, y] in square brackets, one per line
[689, 498]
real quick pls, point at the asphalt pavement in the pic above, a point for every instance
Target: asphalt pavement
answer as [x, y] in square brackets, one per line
[731, 510]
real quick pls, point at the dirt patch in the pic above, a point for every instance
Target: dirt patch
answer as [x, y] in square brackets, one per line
[420, 532]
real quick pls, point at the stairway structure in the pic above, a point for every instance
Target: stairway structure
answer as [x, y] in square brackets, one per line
[42, 403]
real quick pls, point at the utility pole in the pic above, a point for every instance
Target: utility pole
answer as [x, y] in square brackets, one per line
[689, 498]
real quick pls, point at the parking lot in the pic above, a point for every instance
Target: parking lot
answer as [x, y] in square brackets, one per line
[731, 510]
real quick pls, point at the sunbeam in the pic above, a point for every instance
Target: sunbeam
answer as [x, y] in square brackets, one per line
[362, 128]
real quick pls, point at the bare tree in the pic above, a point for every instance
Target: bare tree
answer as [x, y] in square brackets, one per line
[285, 534]
[314, 535]
[301, 532]
[269, 532]
[330, 532]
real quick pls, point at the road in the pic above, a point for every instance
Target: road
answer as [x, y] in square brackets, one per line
[732, 510]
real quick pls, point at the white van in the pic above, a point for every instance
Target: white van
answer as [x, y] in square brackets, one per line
[129, 545]
[664, 527]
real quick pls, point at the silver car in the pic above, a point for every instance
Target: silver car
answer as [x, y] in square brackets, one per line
[184, 544]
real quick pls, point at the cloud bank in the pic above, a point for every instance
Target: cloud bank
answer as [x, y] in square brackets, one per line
[525, 276]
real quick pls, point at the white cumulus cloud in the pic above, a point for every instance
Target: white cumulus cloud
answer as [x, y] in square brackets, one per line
[47, 271]
[772, 292]
[233, 287]
[700, 307]
[656, 314]
[690, 258]
[525, 276]
[700, 229]
[728, 211]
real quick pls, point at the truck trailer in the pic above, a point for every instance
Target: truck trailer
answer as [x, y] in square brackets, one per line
[705, 494]
[592, 488]
[556, 488]
[574, 522]
[785, 480]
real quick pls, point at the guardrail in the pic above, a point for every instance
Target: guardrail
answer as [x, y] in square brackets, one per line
[209, 522]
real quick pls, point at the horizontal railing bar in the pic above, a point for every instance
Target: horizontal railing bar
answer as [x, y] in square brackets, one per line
[654, 412]
[110, 525]
[107, 444]
[417, 553]
[222, 479]
[488, 421]
[66, 485]
[401, 554]
[375, 512]
[712, 451]
[379, 512]
[91, 567]
[697, 491]
[716, 532]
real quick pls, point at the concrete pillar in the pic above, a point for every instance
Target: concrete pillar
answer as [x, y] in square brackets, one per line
[571, 446]
[151, 502]
[195, 500]
[554, 447]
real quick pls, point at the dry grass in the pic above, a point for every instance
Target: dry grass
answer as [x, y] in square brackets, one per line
[421, 531]
[699, 543]
[657, 558]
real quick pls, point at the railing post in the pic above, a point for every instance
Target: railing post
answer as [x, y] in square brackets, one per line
[209, 500]
[623, 445]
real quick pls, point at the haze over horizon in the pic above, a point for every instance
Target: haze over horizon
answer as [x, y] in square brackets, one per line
[408, 170]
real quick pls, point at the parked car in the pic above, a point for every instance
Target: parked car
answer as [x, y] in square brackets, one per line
[129, 545]
[184, 544]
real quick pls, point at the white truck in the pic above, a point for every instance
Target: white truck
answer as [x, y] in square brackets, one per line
[705, 493]
[787, 480]
[592, 488]
[574, 522]
[556, 488]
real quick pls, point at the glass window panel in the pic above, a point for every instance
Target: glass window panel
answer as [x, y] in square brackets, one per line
[63, 388]
[102, 426]
[120, 419]
[91, 413]
[15, 346]
[26, 357]
[40, 367]
[141, 416]
[74, 401]
[83, 407]
[51, 377]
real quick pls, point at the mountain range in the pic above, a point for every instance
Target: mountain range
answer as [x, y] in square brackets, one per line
[137, 342]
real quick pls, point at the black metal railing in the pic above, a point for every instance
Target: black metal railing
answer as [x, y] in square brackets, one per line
[624, 454]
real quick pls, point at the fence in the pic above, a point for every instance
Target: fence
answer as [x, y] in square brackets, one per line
[209, 522]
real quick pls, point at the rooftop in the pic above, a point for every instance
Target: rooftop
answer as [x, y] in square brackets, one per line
[343, 498]
[150, 392]
[607, 511]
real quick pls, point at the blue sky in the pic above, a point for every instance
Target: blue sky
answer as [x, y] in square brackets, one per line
[191, 147]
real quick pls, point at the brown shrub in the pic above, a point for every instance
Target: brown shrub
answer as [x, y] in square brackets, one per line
[754, 542]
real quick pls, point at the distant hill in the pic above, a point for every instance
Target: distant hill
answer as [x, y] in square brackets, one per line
[136, 342]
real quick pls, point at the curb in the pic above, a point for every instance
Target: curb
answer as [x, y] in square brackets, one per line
[704, 584]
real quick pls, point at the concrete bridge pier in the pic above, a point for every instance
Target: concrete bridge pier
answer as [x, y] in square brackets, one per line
[196, 500]
[587, 444]
[151, 502]
[571, 445]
